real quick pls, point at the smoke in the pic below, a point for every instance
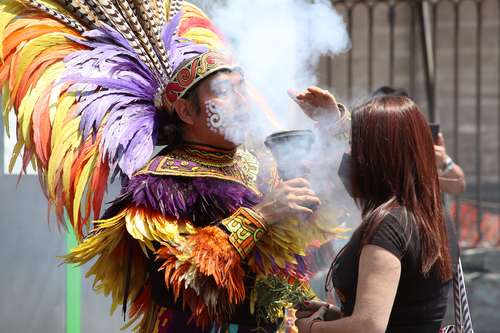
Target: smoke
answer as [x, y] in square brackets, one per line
[278, 44]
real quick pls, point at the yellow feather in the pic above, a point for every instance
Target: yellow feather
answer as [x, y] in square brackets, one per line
[130, 227]
[82, 183]
[56, 118]
[6, 107]
[33, 48]
[24, 117]
[15, 154]
[65, 137]
[66, 171]
[204, 36]
[69, 140]
[143, 227]
[27, 105]
[136, 227]
[59, 108]
[8, 11]
[191, 10]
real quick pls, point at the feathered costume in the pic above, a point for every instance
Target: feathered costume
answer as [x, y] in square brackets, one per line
[181, 247]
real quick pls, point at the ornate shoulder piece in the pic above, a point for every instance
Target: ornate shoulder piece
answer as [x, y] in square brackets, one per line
[237, 166]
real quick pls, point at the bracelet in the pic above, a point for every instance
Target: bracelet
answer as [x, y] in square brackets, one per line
[245, 228]
[447, 165]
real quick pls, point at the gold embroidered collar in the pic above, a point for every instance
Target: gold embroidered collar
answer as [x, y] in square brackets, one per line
[199, 161]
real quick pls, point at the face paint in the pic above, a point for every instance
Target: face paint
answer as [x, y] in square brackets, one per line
[214, 117]
[222, 120]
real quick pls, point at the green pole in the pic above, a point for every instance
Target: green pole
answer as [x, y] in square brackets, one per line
[73, 289]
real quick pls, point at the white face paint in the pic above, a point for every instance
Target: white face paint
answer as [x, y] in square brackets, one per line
[224, 120]
[214, 118]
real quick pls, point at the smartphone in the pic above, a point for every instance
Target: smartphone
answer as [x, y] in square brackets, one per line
[434, 130]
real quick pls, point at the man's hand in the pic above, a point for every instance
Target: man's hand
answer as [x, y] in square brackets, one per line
[290, 198]
[316, 103]
[306, 309]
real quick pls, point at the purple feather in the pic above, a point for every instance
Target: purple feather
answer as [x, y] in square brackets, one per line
[170, 29]
[116, 94]
[202, 200]
[179, 49]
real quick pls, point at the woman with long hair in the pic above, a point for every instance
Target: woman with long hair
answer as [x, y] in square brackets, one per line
[395, 272]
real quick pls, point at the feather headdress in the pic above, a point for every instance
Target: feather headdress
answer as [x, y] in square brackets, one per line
[87, 80]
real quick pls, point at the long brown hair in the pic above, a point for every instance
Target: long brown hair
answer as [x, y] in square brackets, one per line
[393, 165]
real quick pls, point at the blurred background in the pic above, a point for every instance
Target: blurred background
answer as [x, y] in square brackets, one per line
[445, 53]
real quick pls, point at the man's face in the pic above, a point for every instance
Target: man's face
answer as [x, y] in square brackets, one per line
[224, 114]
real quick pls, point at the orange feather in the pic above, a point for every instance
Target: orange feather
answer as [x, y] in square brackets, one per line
[40, 63]
[5, 69]
[42, 129]
[84, 154]
[16, 38]
[214, 255]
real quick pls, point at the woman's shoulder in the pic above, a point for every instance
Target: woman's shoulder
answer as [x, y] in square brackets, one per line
[401, 219]
[395, 232]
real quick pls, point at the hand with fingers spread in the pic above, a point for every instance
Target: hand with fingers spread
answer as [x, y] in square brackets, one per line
[316, 103]
[290, 198]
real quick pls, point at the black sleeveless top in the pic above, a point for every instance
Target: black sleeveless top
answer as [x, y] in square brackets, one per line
[420, 302]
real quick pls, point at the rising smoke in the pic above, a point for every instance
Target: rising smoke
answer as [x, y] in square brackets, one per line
[278, 43]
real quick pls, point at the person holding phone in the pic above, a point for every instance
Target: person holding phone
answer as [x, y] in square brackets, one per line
[451, 176]
[394, 274]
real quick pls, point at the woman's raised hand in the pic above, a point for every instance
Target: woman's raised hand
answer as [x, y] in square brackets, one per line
[318, 104]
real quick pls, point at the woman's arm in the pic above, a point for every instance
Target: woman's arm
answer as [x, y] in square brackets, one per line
[453, 181]
[451, 175]
[379, 272]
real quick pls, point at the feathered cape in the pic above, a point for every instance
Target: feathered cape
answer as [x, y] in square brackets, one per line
[171, 209]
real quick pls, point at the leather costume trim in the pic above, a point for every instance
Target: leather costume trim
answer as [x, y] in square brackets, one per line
[245, 229]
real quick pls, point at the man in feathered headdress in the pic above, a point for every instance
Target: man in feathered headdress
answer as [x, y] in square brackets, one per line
[193, 241]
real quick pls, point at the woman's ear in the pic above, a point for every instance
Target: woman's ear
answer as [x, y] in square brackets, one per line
[185, 111]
